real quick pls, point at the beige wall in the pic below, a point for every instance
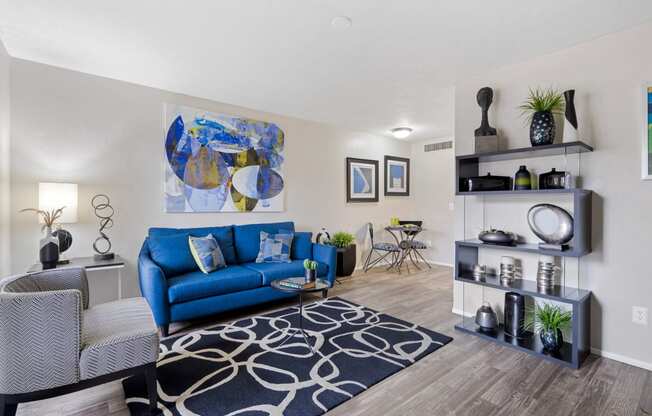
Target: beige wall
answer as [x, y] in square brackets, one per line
[107, 136]
[434, 196]
[5, 257]
[608, 75]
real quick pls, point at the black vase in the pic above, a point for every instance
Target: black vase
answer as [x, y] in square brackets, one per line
[346, 258]
[522, 179]
[515, 315]
[552, 340]
[311, 275]
[49, 250]
[542, 129]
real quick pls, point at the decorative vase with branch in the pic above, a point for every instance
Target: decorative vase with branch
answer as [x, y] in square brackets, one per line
[540, 108]
[49, 244]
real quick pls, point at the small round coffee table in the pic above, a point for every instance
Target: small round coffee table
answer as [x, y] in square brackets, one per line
[320, 286]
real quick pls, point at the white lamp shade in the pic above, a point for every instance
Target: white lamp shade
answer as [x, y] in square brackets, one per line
[52, 196]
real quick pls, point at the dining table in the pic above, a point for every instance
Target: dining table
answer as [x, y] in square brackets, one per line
[404, 236]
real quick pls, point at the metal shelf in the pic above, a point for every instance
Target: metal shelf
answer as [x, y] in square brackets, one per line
[524, 247]
[527, 192]
[556, 149]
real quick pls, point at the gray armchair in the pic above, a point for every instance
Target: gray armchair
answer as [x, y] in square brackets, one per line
[51, 343]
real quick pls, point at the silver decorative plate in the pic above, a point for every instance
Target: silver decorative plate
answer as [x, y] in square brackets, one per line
[551, 223]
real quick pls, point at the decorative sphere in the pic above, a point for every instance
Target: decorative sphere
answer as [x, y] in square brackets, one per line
[65, 239]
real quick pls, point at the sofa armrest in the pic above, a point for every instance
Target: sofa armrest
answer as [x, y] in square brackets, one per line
[153, 286]
[327, 255]
[40, 340]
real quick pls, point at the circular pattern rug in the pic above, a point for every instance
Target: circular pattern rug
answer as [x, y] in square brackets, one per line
[241, 369]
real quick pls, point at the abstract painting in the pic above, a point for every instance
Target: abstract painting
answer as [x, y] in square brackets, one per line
[361, 180]
[222, 163]
[397, 176]
[647, 137]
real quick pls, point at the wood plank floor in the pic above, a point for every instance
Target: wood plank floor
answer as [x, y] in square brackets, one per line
[467, 377]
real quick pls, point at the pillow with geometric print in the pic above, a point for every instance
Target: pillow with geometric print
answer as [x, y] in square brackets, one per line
[207, 253]
[274, 248]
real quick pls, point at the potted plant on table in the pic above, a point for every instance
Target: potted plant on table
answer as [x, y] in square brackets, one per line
[311, 270]
[549, 321]
[540, 108]
[346, 252]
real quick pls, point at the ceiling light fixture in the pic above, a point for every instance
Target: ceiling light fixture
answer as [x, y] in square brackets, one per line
[341, 22]
[401, 132]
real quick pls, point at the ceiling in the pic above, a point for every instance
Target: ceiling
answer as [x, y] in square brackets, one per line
[396, 65]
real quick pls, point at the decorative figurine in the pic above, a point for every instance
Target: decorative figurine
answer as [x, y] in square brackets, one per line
[570, 118]
[103, 211]
[486, 138]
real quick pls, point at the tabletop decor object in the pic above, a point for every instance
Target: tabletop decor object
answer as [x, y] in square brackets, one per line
[361, 180]
[486, 318]
[549, 321]
[522, 179]
[552, 224]
[487, 182]
[486, 137]
[552, 180]
[570, 118]
[540, 108]
[547, 272]
[222, 163]
[507, 270]
[397, 176]
[323, 236]
[310, 267]
[498, 237]
[479, 272]
[104, 212]
[515, 315]
[49, 244]
[346, 252]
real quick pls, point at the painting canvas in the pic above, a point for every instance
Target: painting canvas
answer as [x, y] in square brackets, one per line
[647, 138]
[361, 180]
[222, 163]
[397, 176]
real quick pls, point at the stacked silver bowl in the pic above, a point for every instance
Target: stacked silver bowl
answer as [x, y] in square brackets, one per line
[547, 273]
[507, 270]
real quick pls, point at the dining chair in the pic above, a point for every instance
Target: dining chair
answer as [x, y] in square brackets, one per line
[415, 245]
[383, 250]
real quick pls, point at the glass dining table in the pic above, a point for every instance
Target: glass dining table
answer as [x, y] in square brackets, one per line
[404, 236]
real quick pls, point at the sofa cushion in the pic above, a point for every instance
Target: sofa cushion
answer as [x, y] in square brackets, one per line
[116, 336]
[301, 246]
[172, 253]
[197, 285]
[223, 235]
[275, 248]
[273, 271]
[247, 238]
[206, 252]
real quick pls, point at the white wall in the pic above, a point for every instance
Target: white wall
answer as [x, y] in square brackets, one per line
[107, 136]
[434, 195]
[608, 75]
[5, 257]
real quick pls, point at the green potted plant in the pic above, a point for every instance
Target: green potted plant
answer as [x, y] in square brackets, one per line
[549, 320]
[540, 108]
[346, 252]
[311, 270]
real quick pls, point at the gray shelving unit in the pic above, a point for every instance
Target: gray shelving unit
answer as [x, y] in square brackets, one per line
[572, 353]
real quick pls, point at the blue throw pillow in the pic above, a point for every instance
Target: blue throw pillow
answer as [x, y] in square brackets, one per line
[274, 248]
[207, 253]
[172, 254]
[301, 244]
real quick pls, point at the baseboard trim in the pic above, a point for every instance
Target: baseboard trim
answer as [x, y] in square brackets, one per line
[621, 358]
[460, 312]
[439, 263]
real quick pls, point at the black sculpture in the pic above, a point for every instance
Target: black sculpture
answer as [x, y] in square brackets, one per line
[485, 97]
[103, 211]
[570, 127]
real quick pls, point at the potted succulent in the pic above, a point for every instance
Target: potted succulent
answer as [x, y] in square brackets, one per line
[346, 252]
[311, 270]
[540, 108]
[549, 320]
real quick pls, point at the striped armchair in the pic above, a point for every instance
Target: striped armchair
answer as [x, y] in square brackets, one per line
[52, 343]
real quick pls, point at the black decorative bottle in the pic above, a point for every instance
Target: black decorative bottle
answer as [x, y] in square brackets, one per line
[522, 179]
[49, 250]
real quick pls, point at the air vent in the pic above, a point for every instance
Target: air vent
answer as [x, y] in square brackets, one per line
[438, 146]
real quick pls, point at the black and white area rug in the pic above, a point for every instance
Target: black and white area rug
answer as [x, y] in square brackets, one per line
[237, 368]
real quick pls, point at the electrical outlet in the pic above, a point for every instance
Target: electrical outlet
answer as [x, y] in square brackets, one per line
[639, 315]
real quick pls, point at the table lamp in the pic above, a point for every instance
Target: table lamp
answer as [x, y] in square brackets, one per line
[52, 196]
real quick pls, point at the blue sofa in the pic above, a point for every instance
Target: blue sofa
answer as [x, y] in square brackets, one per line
[178, 291]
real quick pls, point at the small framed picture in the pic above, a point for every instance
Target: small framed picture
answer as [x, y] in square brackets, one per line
[646, 160]
[361, 180]
[397, 176]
